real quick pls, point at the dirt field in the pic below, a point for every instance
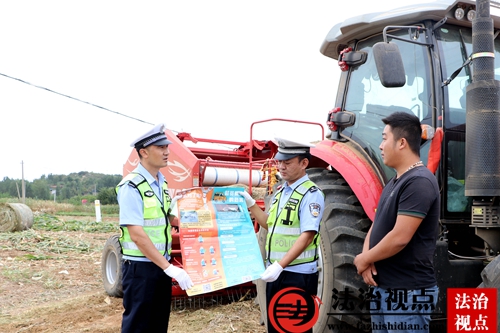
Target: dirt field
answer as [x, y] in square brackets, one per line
[50, 281]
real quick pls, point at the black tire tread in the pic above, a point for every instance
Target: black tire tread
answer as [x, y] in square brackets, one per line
[343, 230]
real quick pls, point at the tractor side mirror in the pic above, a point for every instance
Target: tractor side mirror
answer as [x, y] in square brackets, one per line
[389, 64]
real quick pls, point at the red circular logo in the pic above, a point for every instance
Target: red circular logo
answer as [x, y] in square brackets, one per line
[292, 310]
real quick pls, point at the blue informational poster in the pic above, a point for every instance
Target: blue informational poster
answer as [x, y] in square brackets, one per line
[217, 237]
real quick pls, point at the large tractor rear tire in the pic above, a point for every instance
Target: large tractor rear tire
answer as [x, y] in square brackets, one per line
[111, 268]
[343, 230]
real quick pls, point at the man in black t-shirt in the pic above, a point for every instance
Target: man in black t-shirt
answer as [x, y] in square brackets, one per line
[397, 257]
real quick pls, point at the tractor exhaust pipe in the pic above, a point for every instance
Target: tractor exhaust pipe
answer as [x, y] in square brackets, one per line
[482, 162]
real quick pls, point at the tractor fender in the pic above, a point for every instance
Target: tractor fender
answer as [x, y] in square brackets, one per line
[356, 169]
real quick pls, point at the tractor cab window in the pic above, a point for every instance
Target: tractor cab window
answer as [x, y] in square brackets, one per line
[372, 102]
[455, 200]
[455, 46]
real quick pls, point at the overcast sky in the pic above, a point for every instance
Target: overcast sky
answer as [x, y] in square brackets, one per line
[210, 68]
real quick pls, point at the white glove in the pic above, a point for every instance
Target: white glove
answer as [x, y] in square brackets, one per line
[173, 205]
[272, 272]
[248, 199]
[174, 200]
[180, 276]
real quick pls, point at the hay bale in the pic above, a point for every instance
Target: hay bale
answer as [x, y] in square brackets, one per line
[15, 217]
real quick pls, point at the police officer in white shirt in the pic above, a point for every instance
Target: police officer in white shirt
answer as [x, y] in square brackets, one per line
[292, 222]
[145, 216]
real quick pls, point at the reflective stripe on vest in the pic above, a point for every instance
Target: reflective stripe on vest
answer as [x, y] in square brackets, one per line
[156, 224]
[285, 228]
[133, 246]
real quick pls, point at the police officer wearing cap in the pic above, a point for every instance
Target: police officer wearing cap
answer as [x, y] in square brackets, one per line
[293, 225]
[145, 216]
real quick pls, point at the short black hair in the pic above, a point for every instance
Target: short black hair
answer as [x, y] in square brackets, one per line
[304, 156]
[139, 152]
[406, 125]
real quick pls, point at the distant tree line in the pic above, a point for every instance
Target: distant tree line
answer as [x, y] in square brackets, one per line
[73, 188]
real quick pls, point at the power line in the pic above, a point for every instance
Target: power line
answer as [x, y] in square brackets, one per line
[74, 98]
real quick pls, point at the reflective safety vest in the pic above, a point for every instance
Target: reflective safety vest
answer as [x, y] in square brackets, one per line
[156, 223]
[285, 227]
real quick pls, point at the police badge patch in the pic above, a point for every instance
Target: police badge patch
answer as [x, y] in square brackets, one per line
[315, 209]
[149, 193]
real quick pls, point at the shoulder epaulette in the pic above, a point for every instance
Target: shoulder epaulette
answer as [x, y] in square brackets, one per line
[133, 179]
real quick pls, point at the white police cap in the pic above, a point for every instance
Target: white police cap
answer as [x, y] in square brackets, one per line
[155, 136]
[289, 149]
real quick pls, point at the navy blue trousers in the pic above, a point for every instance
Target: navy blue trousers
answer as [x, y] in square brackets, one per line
[147, 292]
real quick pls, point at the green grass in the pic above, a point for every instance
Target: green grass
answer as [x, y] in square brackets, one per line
[17, 275]
[50, 222]
[31, 256]
[26, 276]
[83, 214]
[63, 207]
[54, 237]
[39, 244]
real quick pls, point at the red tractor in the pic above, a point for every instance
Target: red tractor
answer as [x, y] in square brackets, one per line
[438, 61]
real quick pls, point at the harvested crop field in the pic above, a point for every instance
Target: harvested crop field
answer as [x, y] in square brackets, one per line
[50, 281]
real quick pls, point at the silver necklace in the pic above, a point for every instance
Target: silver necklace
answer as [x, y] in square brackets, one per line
[414, 165]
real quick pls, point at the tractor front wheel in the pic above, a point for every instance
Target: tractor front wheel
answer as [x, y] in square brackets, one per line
[343, 230]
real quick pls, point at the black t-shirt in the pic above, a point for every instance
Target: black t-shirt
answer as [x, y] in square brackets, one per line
[415, 193]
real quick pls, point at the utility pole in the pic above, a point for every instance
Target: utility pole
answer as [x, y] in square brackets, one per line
[23, 188]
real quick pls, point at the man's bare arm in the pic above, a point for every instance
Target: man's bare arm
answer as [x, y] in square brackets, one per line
[391, 244]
